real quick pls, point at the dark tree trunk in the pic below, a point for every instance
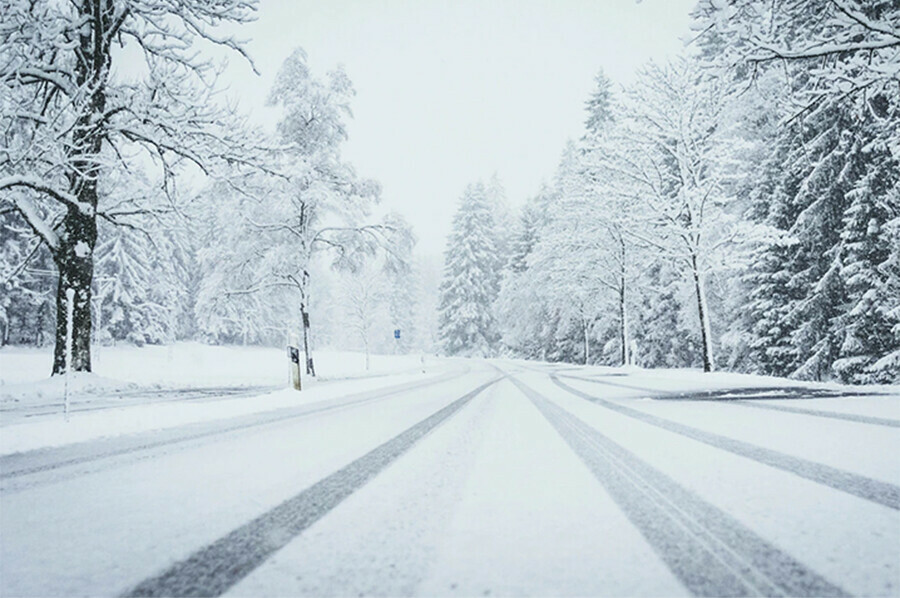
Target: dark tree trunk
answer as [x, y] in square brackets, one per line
[75, 263]
[701, 311]
[307, 349]
[74, 256]
[623, 322]
[623, 306]
[587, 340]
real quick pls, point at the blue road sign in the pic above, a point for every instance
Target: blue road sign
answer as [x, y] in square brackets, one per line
[397, 333]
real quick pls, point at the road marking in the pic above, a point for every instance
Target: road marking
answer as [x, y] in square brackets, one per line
[213, 569]
[708, 550]
[864, 487]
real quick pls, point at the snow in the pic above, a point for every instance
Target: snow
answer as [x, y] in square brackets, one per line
[831, 530]
[684, 380]
[185, 367]
[824, 440]
[156, 509]
[480, 507]
[493, 501]
[24, 370]
[82, 249]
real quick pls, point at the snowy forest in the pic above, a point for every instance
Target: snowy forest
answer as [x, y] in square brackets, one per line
[736, 207]
[129, 182]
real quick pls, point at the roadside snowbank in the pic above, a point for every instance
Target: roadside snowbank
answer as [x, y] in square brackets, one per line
[686, 380]
[118, 421]
[24, 371]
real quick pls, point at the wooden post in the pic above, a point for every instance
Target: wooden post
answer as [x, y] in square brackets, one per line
[70, 311]
[294, 355]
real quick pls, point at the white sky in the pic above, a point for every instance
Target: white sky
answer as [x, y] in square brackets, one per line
[451, 91]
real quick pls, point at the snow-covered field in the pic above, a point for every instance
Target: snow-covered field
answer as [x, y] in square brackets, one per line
[24, 370]
[150, 388]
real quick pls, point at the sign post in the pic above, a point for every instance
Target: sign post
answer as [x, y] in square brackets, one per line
[70, 311]
[294, 355]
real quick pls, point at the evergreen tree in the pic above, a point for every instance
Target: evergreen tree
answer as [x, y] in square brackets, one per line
[26, 285]
[866, 326]
[522, 311]
[661, 337]
[471, 279]
[599, 106]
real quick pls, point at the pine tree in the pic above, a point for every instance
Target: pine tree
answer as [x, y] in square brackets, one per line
[866, 326]
[661, 337]
[770, 297]
[471, 279]
[522, 311]
[599, 106]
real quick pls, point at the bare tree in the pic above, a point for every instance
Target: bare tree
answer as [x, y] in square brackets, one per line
[365, 295]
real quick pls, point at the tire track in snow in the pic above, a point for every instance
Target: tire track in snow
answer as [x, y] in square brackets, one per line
[22, 464]
[708, 550]
[213, 569]
[864, 487]
[850, 417]
[747, 402]
[730, 394]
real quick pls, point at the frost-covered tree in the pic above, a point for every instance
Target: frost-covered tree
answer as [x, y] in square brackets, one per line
[522, 311]
[140, 284]
[869, 325]
[68, 121]
[818, 302]
[26, 289]
[365, 295]
[318, 205]
[573, 257]
[831, 49]
[504, 219]
[471, 278]
[673, 136]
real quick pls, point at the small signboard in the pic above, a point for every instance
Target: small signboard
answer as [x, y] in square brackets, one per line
[295, 354]
[397, 333]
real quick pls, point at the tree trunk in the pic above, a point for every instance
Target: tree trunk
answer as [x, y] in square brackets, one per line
[623, 319]
[307, 347]
[366, 346]
[74, 256]
[587, 340]
[75, 263]
[703, 312]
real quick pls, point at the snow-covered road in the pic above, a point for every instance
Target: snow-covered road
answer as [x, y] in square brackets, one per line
[503, 478]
